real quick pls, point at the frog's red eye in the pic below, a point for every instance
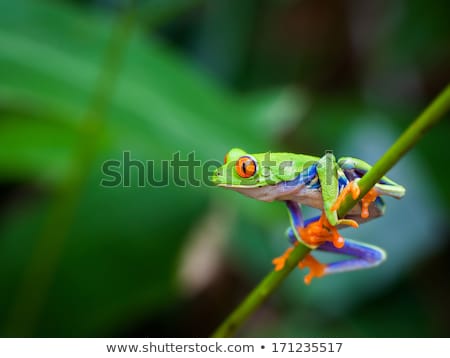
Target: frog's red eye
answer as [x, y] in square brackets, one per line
[245, 167]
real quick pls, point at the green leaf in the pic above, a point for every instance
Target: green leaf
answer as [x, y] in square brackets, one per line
[120, 253]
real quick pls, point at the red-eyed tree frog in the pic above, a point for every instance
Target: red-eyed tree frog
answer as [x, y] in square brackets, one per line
[321, 183]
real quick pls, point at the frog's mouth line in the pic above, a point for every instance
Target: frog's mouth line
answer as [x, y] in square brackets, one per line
[234, 186]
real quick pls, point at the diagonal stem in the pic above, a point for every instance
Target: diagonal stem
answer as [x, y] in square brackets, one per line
[429, 117]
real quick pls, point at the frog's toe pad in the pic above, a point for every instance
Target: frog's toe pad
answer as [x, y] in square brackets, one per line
[316, 269]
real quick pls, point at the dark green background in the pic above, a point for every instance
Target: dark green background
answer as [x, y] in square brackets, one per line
[83, 81]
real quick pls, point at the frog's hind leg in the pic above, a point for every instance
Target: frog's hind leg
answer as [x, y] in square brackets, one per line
[363, 256]
[311, 233]
[296, 218]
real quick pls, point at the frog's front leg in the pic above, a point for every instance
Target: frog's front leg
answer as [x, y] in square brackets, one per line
[364, 256]
[330, 174]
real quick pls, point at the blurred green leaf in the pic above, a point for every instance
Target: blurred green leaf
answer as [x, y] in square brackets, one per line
[35, 148]
[119, 258]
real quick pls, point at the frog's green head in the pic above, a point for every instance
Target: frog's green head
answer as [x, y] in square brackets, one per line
[243, 170]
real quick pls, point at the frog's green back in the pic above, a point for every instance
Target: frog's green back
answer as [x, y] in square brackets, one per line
[284, 166]
[270, 168]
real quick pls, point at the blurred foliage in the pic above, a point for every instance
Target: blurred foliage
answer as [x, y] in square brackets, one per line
[83, 81]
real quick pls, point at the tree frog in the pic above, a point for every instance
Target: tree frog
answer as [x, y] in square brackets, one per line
[319, 182]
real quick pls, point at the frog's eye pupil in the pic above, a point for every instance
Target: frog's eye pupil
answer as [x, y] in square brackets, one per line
[246, 167]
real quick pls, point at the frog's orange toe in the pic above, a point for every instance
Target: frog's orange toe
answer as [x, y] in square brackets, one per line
[349, 222]
[369, 198]
[351, 188]
[320, 231]
[280, 261]
[316, 269]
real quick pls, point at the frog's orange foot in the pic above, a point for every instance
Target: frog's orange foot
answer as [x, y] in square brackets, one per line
[316, 269]
[320, 231]
[280, 261]
[351, 188]
[369, 198]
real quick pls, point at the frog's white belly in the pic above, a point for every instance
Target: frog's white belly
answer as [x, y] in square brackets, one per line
[306, 196]
[285, 191]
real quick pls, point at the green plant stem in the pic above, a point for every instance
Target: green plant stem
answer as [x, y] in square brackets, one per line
[429, 117]
[259, 294]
